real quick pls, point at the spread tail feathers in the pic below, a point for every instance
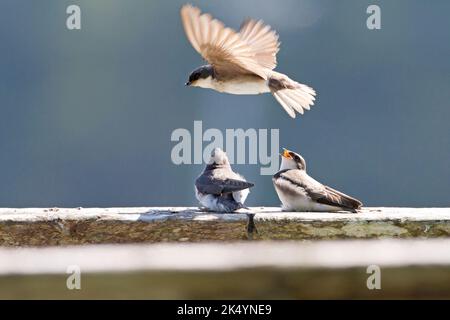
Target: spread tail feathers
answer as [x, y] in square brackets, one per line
[293, 96]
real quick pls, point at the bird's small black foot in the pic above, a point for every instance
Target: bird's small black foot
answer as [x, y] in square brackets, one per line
[251, 226]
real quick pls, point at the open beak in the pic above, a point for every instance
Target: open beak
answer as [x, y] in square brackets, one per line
[286, 154]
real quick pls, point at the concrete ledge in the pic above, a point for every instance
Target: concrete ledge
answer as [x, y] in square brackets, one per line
[62, 226]
[323, 269]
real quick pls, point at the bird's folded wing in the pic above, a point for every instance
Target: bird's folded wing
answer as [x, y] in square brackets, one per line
[263, 41]
[222, 47]
[332, 197]
[211, 185]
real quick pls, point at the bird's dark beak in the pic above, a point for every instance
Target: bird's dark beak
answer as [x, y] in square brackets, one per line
[187, 84]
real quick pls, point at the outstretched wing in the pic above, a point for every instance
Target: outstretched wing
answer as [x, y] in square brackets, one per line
[222, 47]
[210, 185]
[263, 41]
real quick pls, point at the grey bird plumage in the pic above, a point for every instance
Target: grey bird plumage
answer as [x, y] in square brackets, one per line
[299, 192]
[220, 189]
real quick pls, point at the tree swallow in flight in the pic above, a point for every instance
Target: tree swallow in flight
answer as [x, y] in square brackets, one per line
[241, 62]
[220, 189]
[299, 192]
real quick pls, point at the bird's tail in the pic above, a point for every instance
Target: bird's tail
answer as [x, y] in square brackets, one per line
[293, 96]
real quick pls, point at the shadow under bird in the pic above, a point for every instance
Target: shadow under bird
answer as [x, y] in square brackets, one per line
[241, 62]
[220, 189]
[299, 192]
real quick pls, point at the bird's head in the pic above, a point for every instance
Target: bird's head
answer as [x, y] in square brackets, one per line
[199, 76]
[292, 160]
[219, 157]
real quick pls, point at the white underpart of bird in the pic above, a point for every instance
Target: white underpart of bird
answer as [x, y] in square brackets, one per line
[219, 188]
[241, 62]
[298, 191]
[234, 86]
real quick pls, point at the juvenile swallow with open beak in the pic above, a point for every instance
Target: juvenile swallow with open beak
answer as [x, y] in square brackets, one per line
[241, 62]
[220, 189]
[299, 192]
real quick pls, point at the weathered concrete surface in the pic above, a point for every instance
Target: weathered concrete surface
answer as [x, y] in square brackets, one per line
[58, 226]
[262, 270]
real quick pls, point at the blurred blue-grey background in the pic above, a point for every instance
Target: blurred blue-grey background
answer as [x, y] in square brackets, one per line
[86, 116]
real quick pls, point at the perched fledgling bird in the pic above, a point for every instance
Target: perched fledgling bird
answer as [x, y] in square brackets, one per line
[241, 62]
[299, 192]
[220, 189]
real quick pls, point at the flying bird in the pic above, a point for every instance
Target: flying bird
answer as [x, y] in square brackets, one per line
[299, 192]
[220, 189]
[241, 62]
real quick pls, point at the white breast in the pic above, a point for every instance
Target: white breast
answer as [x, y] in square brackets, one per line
[241, 87]
[244, 86]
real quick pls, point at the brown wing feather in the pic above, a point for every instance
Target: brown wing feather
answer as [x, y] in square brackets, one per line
[263, 40]
[222, 47]
[336, 198]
